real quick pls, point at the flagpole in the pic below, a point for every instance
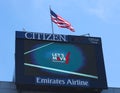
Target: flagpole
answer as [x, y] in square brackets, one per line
[51, 21]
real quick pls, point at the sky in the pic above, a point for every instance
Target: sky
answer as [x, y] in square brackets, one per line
[99, 18]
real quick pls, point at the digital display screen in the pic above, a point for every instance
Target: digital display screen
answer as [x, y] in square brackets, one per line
[58, 62]
[56, 59]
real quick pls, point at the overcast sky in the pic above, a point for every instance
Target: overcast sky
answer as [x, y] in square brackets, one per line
[100, 18]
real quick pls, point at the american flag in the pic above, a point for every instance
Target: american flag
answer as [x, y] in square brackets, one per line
[60, 21]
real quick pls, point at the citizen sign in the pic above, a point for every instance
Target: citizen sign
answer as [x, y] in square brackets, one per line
[45, 36]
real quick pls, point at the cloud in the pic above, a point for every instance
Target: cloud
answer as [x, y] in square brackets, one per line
[107, 10]
[98, 9]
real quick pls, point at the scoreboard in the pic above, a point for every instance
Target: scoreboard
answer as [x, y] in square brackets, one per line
[55, 62]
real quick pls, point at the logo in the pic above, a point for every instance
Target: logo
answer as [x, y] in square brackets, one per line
[45, 36]
[61, 58]
[94, 40]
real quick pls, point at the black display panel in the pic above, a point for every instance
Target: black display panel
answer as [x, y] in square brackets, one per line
[75, 63]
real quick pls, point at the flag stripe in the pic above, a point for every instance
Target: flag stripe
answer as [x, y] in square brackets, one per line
[60, 21]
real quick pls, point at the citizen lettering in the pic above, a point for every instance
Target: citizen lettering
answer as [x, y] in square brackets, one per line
[45, 36]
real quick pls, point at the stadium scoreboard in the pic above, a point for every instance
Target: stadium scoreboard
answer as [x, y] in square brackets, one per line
[57, 62]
